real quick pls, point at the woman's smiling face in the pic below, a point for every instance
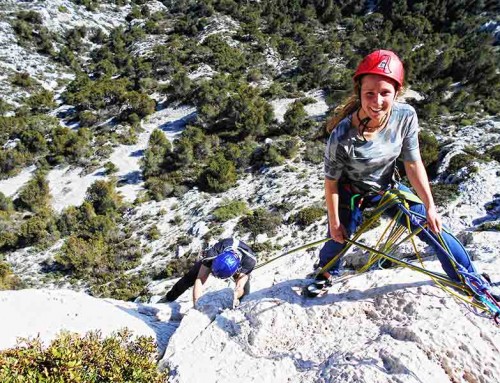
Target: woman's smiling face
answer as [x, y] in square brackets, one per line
[377, 96]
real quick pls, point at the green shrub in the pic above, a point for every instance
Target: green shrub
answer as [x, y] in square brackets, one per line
[224, 58]
[176, 267]
[153, 233]
[314, 152]
[125, 287]
[294, 118]
[23, 31]
[489, 226]
[429, 147]
[459, 161]
[8, 239]
[241, 154]
[41, 102]
[69, 146]
[219, 176]
[268, 155]
[8, 281]
[35, 195]
[110, 167]
[275, 153]
[284, 207]
[82, 257]
[260, 221]
[154, 156]
[6, 204]
[5, 107]
[11, 162]
[492, 106]
[103, 197]
[100, 259]
[263, 249]
[309, 215]
[137, 103]
[33, 141]
[70, 220]
[159, 188]
[23, 79]
[494, 152]
[33, 231]
[288, 146]
[88, 118]
[229, 209]
[90, 359]
[444, 193]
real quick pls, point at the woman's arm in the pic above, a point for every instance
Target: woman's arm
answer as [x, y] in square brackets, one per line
[199, 282]
[417, 175]
[337, 231]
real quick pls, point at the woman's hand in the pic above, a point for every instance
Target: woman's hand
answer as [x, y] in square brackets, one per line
[338, 232]
[434, 220]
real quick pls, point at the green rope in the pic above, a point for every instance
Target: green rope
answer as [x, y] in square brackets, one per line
[303, 247]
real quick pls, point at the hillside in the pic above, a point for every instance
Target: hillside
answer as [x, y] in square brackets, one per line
[135, 132]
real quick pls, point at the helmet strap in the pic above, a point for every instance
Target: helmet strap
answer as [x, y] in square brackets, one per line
[363, 124]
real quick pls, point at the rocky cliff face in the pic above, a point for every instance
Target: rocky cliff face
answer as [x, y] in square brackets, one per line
[390, 325]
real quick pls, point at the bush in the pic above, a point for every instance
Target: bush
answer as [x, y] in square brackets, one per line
[489, 226]
[67, 145]
[275, 153]
[41, 102]
[6, 204]
[23, 79]
[35, 230]
[294, 118]
[72, 358]
[309, 215]
[219, 176]
[125, 287]
[444, 193]
[260, 221]
[494, 152]
[137, 103]
[110, 167]
[8, 240]
[429, 147]
[177, 267]
[11, 162]
[459, 161]
[103, 197]
[70, 220]
[8, 281]
[153, 233]
[229, 209]
[314, 152]
[159, 188]
[154, 156]
[35, 195]
[88, 118]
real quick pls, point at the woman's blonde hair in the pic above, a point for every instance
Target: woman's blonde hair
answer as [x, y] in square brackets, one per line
[349, 106]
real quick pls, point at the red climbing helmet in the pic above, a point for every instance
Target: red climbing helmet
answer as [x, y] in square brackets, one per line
[384, 63]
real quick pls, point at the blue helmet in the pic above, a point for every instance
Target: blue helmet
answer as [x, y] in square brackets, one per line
[225, 264]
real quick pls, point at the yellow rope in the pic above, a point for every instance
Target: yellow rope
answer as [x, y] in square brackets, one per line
[394, 231]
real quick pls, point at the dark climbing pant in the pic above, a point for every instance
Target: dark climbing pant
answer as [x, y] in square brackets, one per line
[352, 221]
[188, 280]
